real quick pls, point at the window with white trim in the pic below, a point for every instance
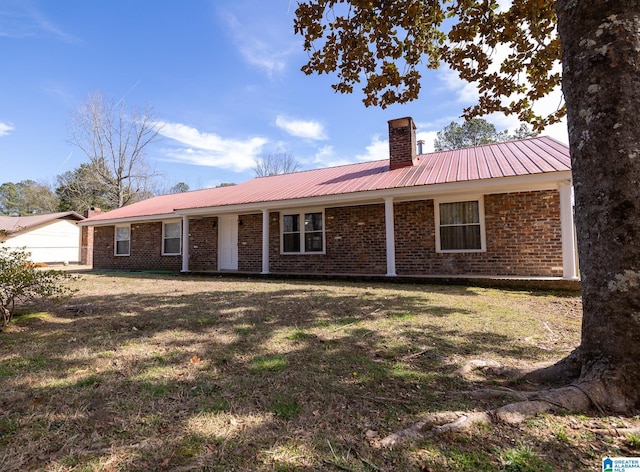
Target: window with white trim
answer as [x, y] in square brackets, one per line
[122, 244]
[171, 238]
[303, 232]
[460, 226]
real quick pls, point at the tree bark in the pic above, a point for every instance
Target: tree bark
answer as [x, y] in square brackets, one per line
[601, 83]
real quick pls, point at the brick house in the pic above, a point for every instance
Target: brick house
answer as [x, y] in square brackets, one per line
[499, 210]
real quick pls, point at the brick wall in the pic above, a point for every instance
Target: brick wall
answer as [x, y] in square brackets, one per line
[522, 229]
[250, 243]
[86, 245]
[203, 244]
[523, 238]
[145, 249]
[86, 238]
[355, 244]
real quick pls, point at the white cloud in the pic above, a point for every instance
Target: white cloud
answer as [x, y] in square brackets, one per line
[210, 150]
[376, 151]
[463, 92]
[326, 157]
[302, 128]
[269, 52]
[429, 138]
[5, 129]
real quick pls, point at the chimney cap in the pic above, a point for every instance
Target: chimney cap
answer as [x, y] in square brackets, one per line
[402, 122]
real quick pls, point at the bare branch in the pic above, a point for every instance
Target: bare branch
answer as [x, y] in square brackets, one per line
[116, 141]
[275, 164]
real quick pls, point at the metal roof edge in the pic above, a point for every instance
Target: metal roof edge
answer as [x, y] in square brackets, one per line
[521, 183]
[130, 219]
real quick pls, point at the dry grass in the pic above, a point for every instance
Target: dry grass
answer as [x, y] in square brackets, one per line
[160, 372]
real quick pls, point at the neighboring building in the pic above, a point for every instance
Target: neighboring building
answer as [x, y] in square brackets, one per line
[52, 239]
[495, 210]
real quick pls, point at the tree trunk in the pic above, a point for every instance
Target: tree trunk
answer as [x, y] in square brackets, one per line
[601, 84]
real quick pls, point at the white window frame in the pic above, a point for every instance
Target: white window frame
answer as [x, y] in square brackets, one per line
[301, 214]
[164, 238]
[116, 240]
[467, 198]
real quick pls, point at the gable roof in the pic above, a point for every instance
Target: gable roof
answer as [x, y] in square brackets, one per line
[15, 224]
[526, 157]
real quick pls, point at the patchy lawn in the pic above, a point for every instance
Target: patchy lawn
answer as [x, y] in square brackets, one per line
[163, 372]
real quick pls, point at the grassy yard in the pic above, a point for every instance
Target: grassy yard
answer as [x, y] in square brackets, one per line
[163, 372]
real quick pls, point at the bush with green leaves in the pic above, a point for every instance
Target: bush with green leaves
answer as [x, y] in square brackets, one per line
[22, 280]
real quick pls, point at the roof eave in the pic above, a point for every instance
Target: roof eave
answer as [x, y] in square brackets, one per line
[522, 183]
[543, 181]
[129, 219]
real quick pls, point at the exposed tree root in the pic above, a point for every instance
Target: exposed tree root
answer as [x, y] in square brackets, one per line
[571, 398]
[616, 432]
[592, 390]
[5, 317]
[538, 374]
[497, 393]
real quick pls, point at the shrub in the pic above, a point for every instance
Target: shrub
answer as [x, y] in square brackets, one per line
[21, 280]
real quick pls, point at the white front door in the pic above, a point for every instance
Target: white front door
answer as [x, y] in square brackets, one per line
[228, 243]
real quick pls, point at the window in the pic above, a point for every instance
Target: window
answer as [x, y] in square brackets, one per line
[171, 238]
[460, 226]
[303, 233]
[123, 240]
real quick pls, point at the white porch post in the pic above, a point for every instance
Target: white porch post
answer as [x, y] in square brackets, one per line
[390, 237]
[568, 233]
[265, 241]
[185, 244]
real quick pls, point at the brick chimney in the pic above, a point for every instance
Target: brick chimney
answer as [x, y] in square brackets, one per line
[402, 143]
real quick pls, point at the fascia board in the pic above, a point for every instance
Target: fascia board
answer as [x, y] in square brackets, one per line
[130, 219]
[547, 181]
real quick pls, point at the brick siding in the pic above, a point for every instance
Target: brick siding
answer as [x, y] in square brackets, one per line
[145, 249]
[355, 244]
[250, 243]
[203, 244]
[523, 237]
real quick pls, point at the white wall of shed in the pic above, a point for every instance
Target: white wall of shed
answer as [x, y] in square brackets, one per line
[54, 242]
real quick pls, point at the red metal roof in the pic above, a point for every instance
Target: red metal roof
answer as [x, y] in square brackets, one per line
[515, 158]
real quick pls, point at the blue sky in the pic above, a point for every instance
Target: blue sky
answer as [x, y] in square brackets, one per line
[223, 77]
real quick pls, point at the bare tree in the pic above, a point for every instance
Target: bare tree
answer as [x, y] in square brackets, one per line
[275, 164]
[115, 141]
